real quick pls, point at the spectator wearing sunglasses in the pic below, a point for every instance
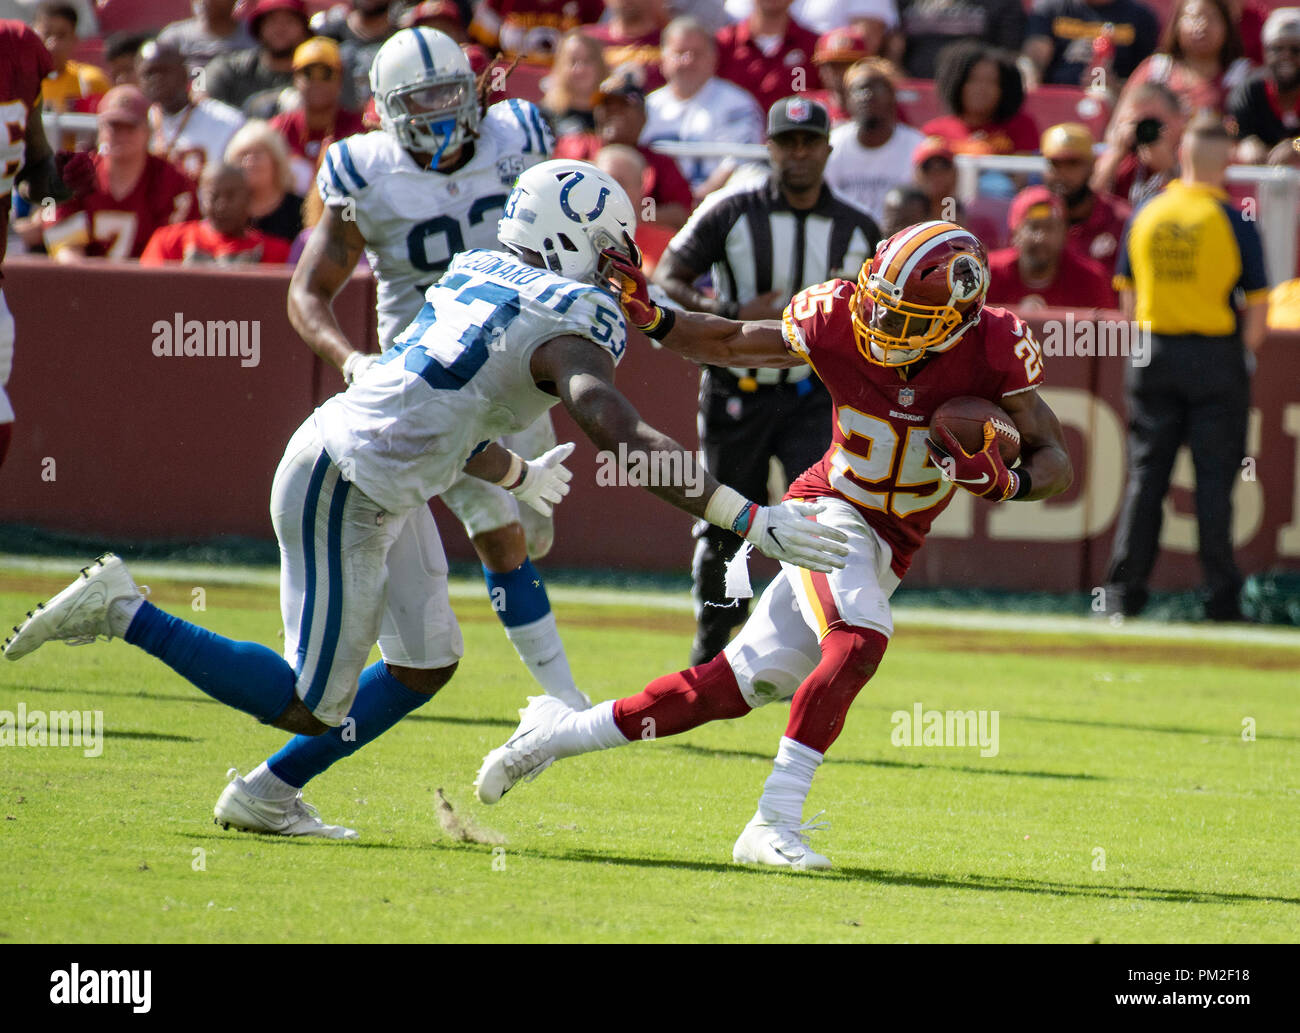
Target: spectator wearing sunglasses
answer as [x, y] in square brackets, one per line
[320, 119]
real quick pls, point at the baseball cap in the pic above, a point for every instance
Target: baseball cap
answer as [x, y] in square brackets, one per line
[264, 7]
[843, 44]
[430, 10]
[1034, 203]
[931, 147]
[1067, 140]
[319, 50]
[798, 113]
[124, 104]
[1282, 24]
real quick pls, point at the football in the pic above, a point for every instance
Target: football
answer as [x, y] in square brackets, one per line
[964, 418]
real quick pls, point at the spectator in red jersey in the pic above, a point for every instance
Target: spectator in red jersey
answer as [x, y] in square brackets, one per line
[1038, 270]
[1096, 220]
[224, 236]
[628, 167]
[320, 119]
[442, 15]
[982, 90]
[570, 89]
[134, 192]
[1141, 154]
[188, 131]
[620, 119]
[261, 153]
[631, 37]
[1200, 56]
[1249, 16]
[1265, 109]
[836, 52]
[769, 53]
[27, 167]
[531, 29]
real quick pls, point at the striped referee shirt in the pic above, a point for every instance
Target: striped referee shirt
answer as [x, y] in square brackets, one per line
[754, 242]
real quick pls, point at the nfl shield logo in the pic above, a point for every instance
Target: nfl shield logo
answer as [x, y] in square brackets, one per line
[798, 110]
[906, 396]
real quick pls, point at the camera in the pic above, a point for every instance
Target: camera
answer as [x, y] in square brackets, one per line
[1148, 131]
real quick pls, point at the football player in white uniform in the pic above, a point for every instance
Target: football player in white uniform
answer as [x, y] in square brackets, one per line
[430, 185]
[500, 339]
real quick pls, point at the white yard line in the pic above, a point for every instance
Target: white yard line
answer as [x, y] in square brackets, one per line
[680, 602]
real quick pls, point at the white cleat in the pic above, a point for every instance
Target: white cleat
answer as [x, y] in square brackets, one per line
[238, 808]
[574, 698]
[526, 754]
[779, 846]
[79, 614]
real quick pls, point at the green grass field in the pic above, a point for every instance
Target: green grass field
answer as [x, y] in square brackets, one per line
[1125, 744]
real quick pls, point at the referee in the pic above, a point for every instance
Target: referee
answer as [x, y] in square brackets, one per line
[763, 243]
[1186, 253]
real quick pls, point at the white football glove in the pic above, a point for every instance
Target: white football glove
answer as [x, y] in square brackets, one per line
[355, 366]
[784, 532]
[546, 480]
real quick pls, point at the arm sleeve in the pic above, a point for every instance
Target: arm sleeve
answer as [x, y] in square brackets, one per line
[1254, 275]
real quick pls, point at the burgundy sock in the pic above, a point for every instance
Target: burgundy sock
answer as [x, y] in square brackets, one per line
[679, 702]
[849, 659]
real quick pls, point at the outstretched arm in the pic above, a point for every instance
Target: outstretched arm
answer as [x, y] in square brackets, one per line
[331, 254]
[582, 376]
[698, 336]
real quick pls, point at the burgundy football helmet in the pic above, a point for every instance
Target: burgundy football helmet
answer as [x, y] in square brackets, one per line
[926, 285]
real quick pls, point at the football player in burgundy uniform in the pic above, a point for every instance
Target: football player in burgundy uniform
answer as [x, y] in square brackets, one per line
[911, 334]
[25, 161]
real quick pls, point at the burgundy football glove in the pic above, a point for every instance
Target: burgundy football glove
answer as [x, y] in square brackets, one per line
[633, 291]
[983, 474]
[77, 171]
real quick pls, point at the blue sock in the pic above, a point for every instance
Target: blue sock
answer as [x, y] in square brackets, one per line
[380, 703]
[519, 596]
[243, 675]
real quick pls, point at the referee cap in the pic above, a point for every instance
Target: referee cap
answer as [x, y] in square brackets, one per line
[798, 113]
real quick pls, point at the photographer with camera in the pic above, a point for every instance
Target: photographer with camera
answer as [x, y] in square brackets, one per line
[1141, 156]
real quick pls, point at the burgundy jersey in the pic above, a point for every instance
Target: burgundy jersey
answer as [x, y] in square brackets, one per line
[120, 227]
[878, 462]
[24, 64]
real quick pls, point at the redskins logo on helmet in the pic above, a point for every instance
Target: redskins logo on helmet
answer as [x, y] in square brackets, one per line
[926, 286]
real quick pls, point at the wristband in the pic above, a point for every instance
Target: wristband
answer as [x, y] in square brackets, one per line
[514, 475]
[665, 318]
[1024, 487]
[745, 520]
[725, 507]
[350, 363]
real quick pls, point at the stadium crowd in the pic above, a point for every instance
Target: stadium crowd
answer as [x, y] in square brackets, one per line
[1102, 90]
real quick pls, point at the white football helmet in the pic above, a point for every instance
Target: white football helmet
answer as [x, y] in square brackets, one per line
[425, 92]
[569, 212]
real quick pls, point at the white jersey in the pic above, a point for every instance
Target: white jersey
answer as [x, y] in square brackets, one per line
[719, 112]
[458, 377]
[195, 136]
[415, 220]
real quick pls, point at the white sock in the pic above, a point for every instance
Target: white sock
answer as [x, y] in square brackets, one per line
[585, 731]
[788, 785]
[265, 784]
[539, 647]
[121, 612]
